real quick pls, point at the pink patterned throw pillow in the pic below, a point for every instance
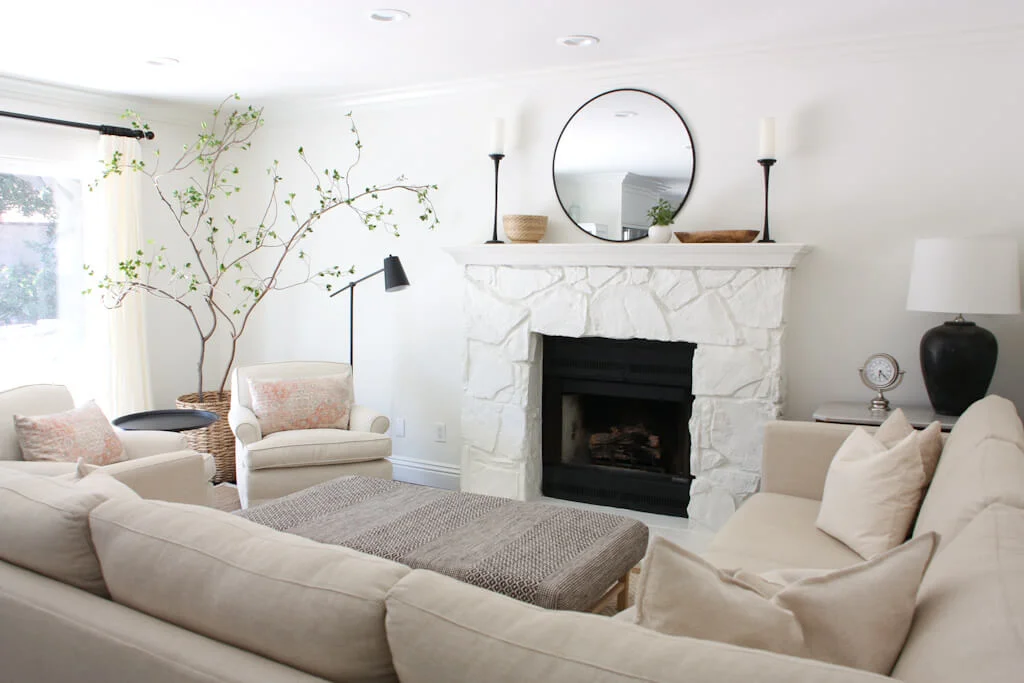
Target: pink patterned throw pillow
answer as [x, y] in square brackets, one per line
[82, 432]
[306, 403]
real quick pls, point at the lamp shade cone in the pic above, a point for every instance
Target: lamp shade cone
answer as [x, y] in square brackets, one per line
[958, 360]
[394, 275]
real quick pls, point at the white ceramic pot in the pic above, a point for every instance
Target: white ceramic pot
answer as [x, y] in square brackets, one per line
[659, 233]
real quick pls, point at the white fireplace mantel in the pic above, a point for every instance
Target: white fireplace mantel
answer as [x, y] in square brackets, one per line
[728, 299]
[754, 255]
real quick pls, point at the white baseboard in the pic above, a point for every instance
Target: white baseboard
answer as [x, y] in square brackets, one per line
[426, 472]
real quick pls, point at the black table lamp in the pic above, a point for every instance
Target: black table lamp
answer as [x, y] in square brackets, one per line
[394, 280]
[973, 275]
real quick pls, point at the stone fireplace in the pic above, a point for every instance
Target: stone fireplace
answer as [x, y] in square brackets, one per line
[728, 299]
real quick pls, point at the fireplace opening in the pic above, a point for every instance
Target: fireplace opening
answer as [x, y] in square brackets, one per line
[615, 422]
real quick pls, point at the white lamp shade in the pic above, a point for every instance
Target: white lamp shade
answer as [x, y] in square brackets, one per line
[965, 275]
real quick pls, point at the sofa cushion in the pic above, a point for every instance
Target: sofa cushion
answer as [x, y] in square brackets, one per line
[318, 608]
[309, 447]
[44, 526]
[302, 403]
[991, 417]
[872, 492]
[776, 531]
[969, 622]
[825, 617]
[442, 630]
[963, 487]
[41, 467]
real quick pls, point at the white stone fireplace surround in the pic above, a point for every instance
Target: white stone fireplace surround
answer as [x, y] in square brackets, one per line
[729, 299]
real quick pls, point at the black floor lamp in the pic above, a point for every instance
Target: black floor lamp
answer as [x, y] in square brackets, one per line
[394, 280]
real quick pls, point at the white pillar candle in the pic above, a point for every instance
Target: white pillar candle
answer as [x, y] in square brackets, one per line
[498, 136]
[767, 147]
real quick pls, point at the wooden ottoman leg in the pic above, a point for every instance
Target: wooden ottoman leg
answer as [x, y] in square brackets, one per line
[622, 602]
[619, 593]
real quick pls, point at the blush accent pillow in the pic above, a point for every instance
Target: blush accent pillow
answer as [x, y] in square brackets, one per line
[83, 432]
[307, 403]
[858, 616]
[872, 492]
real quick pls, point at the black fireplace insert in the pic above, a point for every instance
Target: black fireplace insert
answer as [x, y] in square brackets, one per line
[615, 422]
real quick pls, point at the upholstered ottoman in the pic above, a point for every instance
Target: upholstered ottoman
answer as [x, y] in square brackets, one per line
[550, 555]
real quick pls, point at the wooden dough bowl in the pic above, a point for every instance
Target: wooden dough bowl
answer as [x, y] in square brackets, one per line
[718, 236]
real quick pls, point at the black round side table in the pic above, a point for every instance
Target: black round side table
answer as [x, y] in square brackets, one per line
[174, 420]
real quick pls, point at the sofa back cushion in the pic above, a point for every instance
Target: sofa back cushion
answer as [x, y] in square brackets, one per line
[993, 417]
[34, 399]
[969, 620]
[441, 629]
[315, 607]
[964, 487]
[44, 525]
[981, 463]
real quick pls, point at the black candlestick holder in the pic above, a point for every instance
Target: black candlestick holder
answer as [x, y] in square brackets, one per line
[766, 164]
[494, 237]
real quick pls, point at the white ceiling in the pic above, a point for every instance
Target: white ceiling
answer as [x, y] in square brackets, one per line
[281, 48]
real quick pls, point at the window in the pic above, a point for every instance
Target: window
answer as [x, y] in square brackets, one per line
[42, 309]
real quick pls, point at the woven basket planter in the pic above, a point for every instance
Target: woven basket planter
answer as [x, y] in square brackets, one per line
[523, 228]
[217, 439]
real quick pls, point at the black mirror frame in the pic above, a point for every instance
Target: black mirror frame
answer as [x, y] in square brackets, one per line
[693, 149]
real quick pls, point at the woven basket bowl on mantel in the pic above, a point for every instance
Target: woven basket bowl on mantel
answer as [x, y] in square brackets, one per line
[217, 439]
[523, 228]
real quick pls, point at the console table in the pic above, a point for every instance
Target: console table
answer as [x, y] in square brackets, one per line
[860, 413]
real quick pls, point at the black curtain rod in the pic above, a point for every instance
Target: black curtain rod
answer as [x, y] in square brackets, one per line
[103, 130]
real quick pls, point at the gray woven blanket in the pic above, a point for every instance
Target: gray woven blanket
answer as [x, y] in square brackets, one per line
[550, 555]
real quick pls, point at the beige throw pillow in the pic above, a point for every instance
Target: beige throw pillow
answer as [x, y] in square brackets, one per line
[88, 477]
[858, 616]
[284, 405]
[82, 432]
[872, 493]
[897, 427]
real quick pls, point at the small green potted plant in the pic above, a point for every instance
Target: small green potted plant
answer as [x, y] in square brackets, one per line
[661, 215]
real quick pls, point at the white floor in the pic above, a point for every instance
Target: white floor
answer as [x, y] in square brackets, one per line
[679, 530]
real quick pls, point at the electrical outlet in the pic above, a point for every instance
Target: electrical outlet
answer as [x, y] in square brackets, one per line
[398, 427]
[440, 434]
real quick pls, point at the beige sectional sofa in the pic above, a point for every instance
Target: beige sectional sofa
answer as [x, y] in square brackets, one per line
[193, 594]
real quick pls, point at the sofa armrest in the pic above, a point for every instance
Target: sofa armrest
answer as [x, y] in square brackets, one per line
[177, 477]
[244, 425]
[143, 443]
[365, 419]
[797, 456]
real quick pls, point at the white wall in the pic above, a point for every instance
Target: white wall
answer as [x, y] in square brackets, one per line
[878, 144]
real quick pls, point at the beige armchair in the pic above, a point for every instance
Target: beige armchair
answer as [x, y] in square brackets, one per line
[157, 465]
[277, 464]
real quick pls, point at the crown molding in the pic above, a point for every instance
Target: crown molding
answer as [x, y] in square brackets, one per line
[961, 42]
[52, 99]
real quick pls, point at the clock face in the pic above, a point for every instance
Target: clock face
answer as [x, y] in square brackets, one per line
[880, 371]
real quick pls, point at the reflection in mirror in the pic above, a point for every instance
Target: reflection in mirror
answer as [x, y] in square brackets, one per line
[618, 155]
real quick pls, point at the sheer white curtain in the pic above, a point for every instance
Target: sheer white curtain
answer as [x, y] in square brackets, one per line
[113, 233]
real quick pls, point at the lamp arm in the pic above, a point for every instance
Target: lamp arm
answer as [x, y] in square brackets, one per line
[352, 284]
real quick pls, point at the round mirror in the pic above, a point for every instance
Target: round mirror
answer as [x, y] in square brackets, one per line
[619, 156]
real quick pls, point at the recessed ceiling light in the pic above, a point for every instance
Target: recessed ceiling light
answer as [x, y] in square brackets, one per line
[578, 41]
[163, 61]
[625, 114]
[389, 15]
